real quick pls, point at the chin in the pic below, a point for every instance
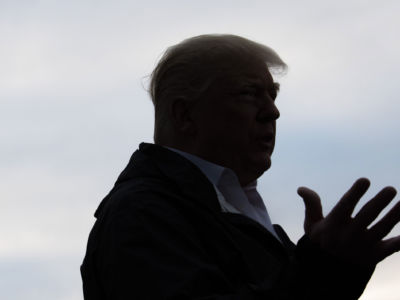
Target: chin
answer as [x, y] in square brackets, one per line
[262, 165]
[267, 165]
[263, 160]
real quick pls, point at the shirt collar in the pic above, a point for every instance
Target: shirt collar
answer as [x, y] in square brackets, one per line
[215, 173]
[211, 170]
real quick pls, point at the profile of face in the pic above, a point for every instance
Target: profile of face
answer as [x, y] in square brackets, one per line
[235, 119]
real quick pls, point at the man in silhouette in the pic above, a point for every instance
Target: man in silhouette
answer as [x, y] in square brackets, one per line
[184, 219]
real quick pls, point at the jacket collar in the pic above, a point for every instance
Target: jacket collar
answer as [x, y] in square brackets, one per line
[179, 171]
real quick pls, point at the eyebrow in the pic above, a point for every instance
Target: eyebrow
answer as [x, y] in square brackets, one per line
[277, 86]
[258, 83]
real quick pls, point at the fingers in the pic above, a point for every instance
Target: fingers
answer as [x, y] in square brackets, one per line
[313, 206]
[346, 205]
[373, 208]
[386, 224]
[388, 247]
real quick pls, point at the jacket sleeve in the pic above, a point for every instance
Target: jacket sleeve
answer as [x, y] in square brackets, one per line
[151, 251]
[324, 276]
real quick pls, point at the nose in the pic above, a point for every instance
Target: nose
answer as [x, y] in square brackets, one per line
[268, 112]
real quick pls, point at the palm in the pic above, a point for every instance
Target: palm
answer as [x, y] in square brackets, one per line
[349, 237]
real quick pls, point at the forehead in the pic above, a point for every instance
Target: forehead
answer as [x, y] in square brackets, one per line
[244, 71]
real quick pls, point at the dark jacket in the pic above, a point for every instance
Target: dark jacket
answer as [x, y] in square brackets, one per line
[160, 234]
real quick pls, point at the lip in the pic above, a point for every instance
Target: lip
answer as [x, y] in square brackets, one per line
[269, 136]
[266, 143]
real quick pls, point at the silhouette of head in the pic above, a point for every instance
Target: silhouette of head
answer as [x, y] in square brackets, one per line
[214, 97]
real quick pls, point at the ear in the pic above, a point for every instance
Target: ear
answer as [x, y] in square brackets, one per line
[182, 117]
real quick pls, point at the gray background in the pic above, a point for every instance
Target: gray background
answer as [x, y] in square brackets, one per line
[74, 107]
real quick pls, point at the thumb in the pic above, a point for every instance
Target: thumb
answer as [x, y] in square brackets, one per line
[313, 206]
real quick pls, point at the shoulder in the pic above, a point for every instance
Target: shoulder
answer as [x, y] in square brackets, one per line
[140, 198]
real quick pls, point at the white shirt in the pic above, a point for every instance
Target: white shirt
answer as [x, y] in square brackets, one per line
[231, 196]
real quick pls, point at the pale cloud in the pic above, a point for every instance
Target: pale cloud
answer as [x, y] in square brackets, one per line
[74, 109]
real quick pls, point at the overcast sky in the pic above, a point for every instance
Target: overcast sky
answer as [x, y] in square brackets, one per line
[73, 78]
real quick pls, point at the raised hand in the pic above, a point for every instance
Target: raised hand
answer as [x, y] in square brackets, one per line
[348, 237]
